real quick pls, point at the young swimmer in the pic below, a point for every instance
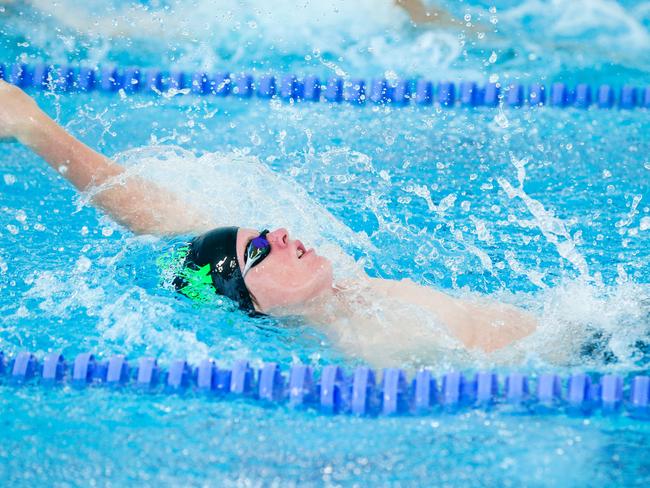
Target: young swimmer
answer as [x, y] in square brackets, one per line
[385, 322]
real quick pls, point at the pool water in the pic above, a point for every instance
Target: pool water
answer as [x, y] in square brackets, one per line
[545, 208]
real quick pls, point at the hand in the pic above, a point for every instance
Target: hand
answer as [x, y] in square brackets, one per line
[18, 112]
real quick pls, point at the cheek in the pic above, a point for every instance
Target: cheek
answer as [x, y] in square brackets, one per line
[296, 277]
[306, 274]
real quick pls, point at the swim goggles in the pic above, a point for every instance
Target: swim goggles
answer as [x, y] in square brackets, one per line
[255, 252]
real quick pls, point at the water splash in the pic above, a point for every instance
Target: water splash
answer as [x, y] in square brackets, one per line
[553, 228]
[237, 189]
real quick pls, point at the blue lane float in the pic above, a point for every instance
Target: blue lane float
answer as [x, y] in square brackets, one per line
[334, 390]
[292, 88]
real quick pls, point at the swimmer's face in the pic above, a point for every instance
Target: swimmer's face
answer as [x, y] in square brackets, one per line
[289, 275]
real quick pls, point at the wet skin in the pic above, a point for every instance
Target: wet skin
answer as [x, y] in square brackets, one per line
[291, 274]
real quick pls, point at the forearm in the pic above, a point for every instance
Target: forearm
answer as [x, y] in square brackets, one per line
[139, 204]
[82, 166]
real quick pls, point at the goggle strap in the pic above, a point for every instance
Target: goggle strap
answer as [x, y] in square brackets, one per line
[247, 267]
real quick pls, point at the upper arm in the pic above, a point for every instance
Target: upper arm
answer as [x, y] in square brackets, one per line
[146, 208]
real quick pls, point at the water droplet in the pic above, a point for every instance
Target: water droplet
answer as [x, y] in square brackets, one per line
[501, 120]
[391, 76]
[83, 264]
[645, 223]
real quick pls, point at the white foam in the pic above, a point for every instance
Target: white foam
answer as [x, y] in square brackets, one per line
[606, 22]
[576, 313]
[135, 319]
[237, 189]
[371, 35]
[126, 319]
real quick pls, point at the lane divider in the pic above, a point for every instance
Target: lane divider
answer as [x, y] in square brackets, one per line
[355, 91]
[334, 391]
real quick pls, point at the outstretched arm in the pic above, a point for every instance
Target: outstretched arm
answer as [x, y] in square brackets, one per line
[139, 204]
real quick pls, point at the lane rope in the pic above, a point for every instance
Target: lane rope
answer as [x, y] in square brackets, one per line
[291, 88]
[333, 390]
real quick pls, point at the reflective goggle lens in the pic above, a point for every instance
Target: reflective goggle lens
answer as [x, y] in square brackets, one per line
[256, 250]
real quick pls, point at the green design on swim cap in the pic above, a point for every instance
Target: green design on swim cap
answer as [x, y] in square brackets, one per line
[198, 282]
[199, 285]
[184, 268]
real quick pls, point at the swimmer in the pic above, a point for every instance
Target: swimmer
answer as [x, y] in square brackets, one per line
[385, 322]
[421, 15]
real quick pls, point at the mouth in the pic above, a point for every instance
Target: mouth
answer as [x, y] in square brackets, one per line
[300, 250]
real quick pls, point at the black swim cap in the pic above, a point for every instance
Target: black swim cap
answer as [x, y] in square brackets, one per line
[212, 259]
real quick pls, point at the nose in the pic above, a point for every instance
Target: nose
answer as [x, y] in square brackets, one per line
[279, 237]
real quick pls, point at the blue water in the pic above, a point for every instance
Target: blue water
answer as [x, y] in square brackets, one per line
[427, 194]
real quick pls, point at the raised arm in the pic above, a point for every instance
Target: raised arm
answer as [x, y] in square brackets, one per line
[139, 204]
